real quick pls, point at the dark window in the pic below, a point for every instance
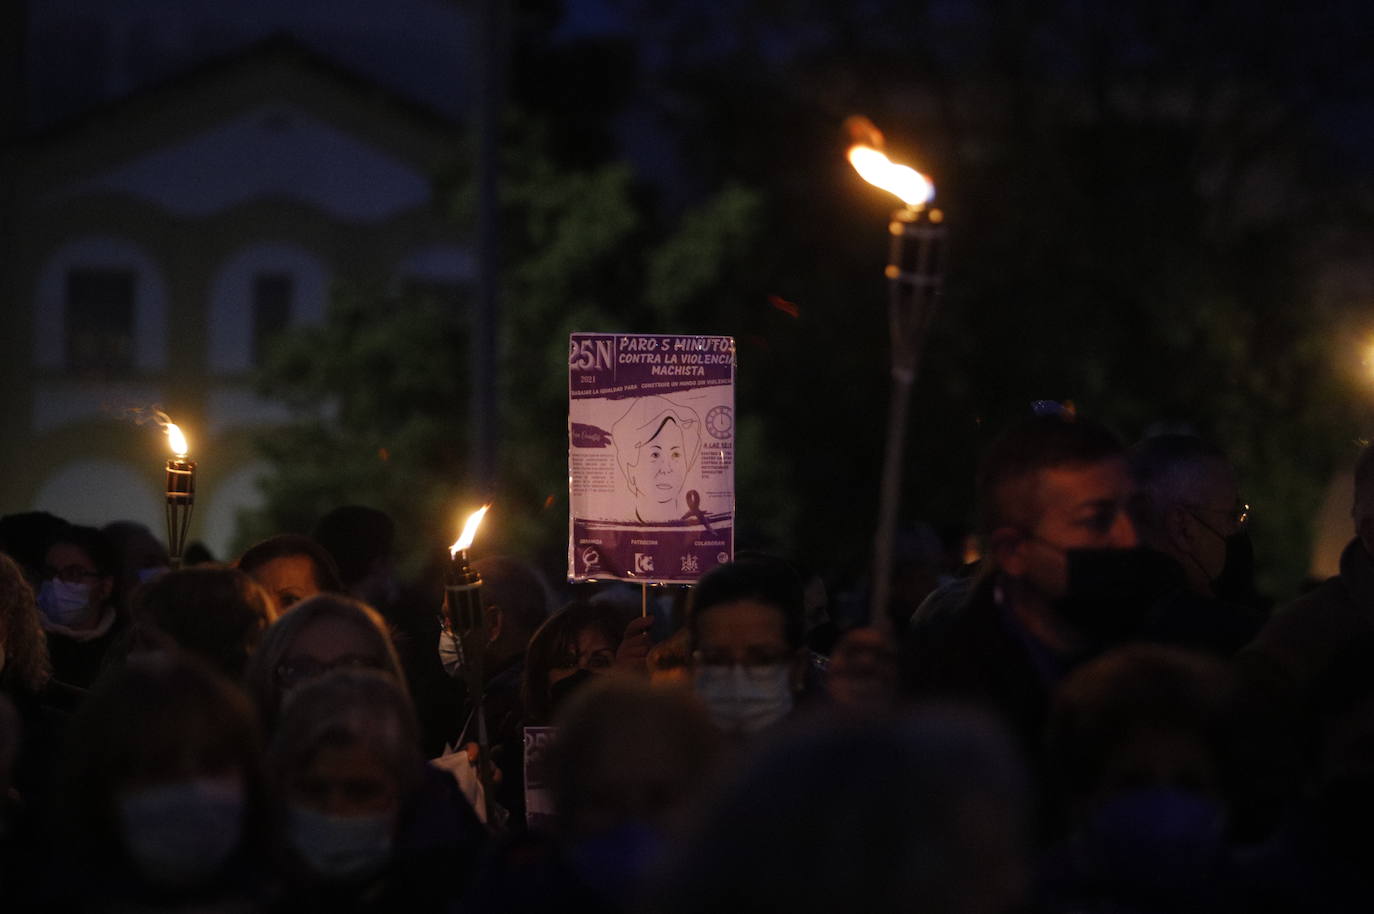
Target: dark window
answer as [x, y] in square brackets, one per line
[272, 294]
[100, 321]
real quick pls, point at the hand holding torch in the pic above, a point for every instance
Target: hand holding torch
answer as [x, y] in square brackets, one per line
[463, 617]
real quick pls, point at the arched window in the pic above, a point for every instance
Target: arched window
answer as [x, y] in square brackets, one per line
[259, 292]
[101, 310]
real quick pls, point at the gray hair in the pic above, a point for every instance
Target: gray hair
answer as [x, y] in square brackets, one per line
[260, 678]
[349, 708]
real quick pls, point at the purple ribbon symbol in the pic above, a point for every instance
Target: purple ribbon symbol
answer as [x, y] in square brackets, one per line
[694, 512]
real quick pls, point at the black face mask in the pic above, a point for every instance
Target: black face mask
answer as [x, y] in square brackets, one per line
[1236, 582]
[563, 688]
[1112, 592]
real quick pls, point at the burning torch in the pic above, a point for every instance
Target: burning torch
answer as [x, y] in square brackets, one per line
[462, 616]
[915, 272]
[181, 494]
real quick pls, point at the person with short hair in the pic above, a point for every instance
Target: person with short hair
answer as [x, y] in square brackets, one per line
[1062, 577]
[745, 621]
[369, 826]
[323, 633]
[1188, 507]
[76, 600]
[215, 612]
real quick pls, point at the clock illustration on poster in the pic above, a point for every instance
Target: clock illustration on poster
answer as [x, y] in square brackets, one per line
[720, 422]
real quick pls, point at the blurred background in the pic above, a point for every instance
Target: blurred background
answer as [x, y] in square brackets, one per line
[343, 244]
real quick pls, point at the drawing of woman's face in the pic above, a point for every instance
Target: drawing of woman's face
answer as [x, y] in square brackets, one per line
[659, 473]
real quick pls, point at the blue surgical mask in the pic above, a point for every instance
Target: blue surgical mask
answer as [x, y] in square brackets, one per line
[340, 847]
[614, 863]
[182, 833]
[1157, 840]
[64, 603]
[152, 573]
[744, 700]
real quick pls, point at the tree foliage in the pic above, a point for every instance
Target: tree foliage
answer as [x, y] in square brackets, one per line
[381, 392]
[1151, 214]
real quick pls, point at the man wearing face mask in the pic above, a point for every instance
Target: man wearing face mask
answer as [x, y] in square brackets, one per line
[1189, 507]
[75, 602]
[1063, 576]
[745, 624]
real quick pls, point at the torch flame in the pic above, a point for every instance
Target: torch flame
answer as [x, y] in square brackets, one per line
[469, 531]
[177, 440]
[903, 181]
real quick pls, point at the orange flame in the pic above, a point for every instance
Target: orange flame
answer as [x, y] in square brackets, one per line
[469, 531]
[177, 440]
[902, 181]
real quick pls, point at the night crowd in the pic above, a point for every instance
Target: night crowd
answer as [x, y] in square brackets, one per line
[1100, 713]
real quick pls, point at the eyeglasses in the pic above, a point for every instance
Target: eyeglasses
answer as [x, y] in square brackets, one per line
[757, 664]
[1237, 517]
[291, 673]
[72, 574]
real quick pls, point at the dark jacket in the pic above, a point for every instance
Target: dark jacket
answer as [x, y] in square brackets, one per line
[978, 654]
[1298, 643]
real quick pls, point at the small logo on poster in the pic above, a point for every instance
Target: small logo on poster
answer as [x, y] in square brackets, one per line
[644, 563]
[720, 421]
[722, 557]
[591, 559]
[690, 565]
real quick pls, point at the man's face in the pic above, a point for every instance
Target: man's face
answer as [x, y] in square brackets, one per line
[1081, 506]
[1215, 513]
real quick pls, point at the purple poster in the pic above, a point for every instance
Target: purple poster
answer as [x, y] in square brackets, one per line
[540, 812]
[651, 456]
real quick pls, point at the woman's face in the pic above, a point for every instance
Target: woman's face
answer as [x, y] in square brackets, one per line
[70, 563]
[591, 651]
[288, 578]
[662, 467]
[346, 781]
[328, 643]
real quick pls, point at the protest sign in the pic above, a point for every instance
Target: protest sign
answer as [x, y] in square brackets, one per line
[540, 813]
[651, 456]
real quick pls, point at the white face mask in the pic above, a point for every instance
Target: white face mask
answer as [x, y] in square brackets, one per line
[182, 833]
[64, 603]
[449, 654]
[745, 701]
[340, 847]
